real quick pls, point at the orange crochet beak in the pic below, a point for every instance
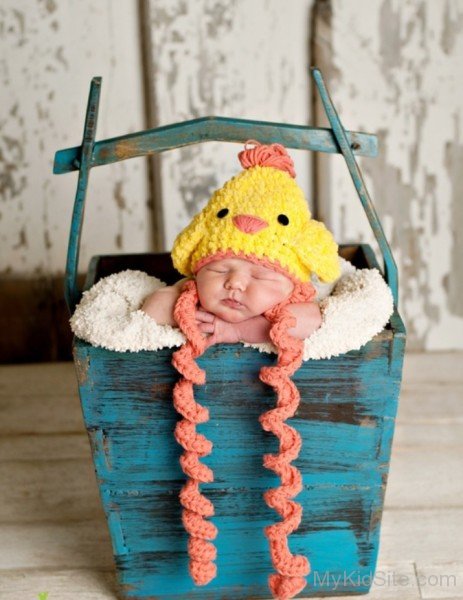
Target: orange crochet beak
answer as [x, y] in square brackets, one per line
[249, 223]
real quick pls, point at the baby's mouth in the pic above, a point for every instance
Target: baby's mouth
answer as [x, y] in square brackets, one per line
[232, 303]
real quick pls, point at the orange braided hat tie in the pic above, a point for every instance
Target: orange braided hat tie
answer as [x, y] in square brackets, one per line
[196, 507]
[291, 569]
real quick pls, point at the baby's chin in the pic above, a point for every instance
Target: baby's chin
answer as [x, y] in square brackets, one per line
[232, 315]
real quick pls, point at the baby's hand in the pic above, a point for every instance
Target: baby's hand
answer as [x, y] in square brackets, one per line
[220, 331]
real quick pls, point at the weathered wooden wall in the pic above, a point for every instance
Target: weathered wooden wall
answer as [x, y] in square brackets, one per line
[228, 58]
[395, 69]
[49, 51]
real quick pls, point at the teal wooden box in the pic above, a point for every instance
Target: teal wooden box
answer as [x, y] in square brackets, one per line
[346, 417]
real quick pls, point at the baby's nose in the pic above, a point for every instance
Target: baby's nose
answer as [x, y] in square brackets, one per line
[235, 281]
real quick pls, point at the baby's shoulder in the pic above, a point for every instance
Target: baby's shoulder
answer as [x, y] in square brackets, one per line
[182, 281]
[175, 287]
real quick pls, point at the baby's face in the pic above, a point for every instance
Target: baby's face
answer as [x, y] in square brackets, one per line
[255, 288]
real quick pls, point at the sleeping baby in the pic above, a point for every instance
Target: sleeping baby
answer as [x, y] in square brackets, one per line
[234, 293]
[238, 284]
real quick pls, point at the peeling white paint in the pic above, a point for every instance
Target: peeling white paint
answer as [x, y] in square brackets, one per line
[395, 69]
[49, 51]
[229, 58]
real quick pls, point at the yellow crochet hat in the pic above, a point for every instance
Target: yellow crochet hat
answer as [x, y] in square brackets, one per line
[261, 215]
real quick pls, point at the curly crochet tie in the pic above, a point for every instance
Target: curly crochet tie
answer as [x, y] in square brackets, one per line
[196, 507]
[291, 569]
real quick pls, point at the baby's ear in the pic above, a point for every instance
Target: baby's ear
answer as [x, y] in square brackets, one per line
[316, 248]
[186, 242]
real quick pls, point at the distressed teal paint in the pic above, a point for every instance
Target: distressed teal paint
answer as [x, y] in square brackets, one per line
[346, 420]
[71, 292]
[208, 129]
[345, 148]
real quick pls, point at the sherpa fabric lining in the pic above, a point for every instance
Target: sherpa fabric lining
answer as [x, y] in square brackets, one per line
[354, 310]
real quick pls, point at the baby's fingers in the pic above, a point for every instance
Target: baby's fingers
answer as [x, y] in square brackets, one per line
[206, 327]
[204, 316]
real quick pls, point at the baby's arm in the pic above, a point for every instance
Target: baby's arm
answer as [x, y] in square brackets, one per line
[160, 304]
[257, 329]
[309, 319]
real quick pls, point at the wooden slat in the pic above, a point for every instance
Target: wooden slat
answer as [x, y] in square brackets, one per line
[81, 584]
[429, 403]
[440, 580]
[427, 435]
[206, 129]
[59, 378]
[72, 545]
[45, 447]
[433, 367]
[421, 535]
[40, 414]
[86, 543]
[391, 581]
[422, 476]
[57, 490]
[76, 445]
[49, 379]
[39, 398]
[47, 488]
[92, 584]
[410, 581]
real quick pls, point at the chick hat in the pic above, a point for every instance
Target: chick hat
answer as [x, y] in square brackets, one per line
[260, 214]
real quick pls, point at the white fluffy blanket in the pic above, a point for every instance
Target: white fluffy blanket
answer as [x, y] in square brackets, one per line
[354, 310]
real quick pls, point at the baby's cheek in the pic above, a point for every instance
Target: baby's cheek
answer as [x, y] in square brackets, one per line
[265, 296]
[205, 302]
[207, 297]
[266, 299]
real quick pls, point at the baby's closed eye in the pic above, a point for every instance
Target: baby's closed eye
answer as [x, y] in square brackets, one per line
[265, 277]
[256, 276]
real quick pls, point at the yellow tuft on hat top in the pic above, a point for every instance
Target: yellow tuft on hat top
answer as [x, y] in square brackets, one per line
[260, 214]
